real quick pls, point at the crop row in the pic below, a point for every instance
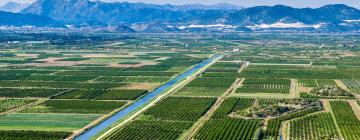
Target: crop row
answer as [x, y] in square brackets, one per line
[101, 94]
[57, 78]
[317, 82]
[117, 73]
[232, 105]
[21, 93]
[177, 108]
[25, 72]
[6, 104]
[231, 65]
[273, 128]
[154, 129]
[211, 82]
[168, 119]
[31, 135]
[347, 121]
[264, 86]
[60, 84]
[289, 67]
[261, 88]
[294, 73]
[206, 86]
[76, 106]
[228, 129]
[317, 126]
[353, 85]
[133, 79]
[267, 81]
[220, 74]
[222, 126]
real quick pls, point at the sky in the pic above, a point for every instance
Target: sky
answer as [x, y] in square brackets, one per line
[246, 3]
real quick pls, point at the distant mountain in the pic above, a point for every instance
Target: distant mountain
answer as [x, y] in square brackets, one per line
[218, 6]
[13, 7]
[171, 18]
[86, 12]
[15, 19]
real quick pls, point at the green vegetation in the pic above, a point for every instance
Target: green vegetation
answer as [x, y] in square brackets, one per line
[166, 120]
[76, 106]
[46, 122]
[347, 121]
[29, 135]
[265, 86]
[166, 109]
[206, 86]
[50, 90]
[23, 93]
[225, 129]
[222, 126]
[6, 104]
[316, 126]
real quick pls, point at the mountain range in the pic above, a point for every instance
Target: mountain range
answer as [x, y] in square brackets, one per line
[13, 7]
[143, 17]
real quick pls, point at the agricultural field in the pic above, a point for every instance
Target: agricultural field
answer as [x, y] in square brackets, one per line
[346, 119]
[222, 126]
[180, 86]
[50, 94]
[206, 86]
[352, 85]
[166, 120]
[265, 86]
[317, 126]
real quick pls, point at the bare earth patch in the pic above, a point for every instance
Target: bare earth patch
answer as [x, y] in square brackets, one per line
[342, 85]
[355, 107]
[161, 58]
[106, 55]
[52, 61]
[348, 54]
[133, 65]
[305, 89]
[326, 105]
[142, 86]
[28, 55]
[293, 88]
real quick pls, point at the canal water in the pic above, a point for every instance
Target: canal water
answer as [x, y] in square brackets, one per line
[144, 100]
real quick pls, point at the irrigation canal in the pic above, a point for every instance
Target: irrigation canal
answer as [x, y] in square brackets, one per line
[92, 132]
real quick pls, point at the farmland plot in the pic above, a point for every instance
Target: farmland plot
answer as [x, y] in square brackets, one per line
[6, 104]
[34, 93]
[101, 94]
[317, 82]
[316, 126]
[345, 118]
[222, 126]
[352, 85]
[206, 86]
[29, 135]
[45, 122]
[76, 106]
[166, 120]
[265, 86]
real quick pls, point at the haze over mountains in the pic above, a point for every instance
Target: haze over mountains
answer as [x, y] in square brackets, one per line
[13, 7]
[141, 17]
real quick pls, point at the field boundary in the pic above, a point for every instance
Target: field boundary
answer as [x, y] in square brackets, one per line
[159, 98]
[207, 116]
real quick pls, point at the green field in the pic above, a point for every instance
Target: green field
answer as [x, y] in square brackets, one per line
[46, 122]
[262, 87]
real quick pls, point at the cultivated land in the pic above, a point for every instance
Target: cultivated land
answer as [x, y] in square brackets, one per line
[266, 86]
